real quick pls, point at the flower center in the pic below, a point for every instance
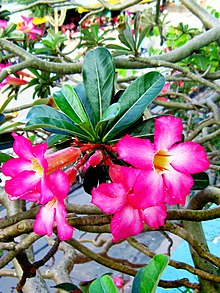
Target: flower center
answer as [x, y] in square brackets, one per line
[37, 167]
[162, 161]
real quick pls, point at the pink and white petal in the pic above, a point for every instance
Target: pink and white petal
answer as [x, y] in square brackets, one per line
[168, 130]
[126, 222]
[22, 147]
[177, 187]
[64, 229]
[23, 182]
[189, 157]
[109, 197]
[43, 224]
[148, 190]
[59, 184]
[136, 151]
[155, 217]
[15, 166]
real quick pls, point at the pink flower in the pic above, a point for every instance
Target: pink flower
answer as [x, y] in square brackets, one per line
[166, 164]
[28, 27]
[10, 79]
[119, 282]
[3, 23]
[94, 160]
[28, 170]
[120, 198]
[55, 209]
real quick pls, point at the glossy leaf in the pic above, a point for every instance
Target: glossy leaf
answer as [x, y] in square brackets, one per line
[81, 93]
[201, 181]
[98, 76]
[68, 287]
[134, 101]
[69, 103]
[4, 157]
[147, 278]
[110, 113]
[46, 117]
[103, 284]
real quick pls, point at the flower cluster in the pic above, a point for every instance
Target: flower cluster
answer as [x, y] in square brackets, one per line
[152, 176]
[160, 175]
[38, 178]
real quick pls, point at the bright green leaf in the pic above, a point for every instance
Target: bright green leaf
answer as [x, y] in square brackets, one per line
[103, 284]
[147, 278]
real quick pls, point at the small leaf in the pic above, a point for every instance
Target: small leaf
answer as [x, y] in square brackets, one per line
[68, 287]
[110, 113]
[201, 181]
[103, 284]
[4, 157]
[148, 277]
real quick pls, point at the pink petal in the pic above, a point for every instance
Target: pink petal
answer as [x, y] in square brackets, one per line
[43, 224]
[136, 151]
[189, 157]
[23, 147]
[177, 186]
[124, 175]
[45, 190]
[155, 217]
[148, 190]
[21, 183]
[126, 222]
[109, 197]
[59, 184]
[15, 166]
[168, 130]
[64, 229]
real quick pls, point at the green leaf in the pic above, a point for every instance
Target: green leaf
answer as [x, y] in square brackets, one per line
[134, 101]
[98, 76]
[69, 103]
[4, 157]
[110, 113]
[68, 287]
[147, 278]
[43, 116]
[103, 284]
[201, 180]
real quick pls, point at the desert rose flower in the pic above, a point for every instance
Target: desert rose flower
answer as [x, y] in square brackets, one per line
[29, 170]
[120, 198]
[3, 23]
[166, 164]
[55, 209]
[28, 27]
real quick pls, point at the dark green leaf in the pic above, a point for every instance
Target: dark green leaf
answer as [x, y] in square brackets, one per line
[201, 181]
[103, 284]
[4, 157]
[68, 287]
[6, 141]
[98, 76]
[93, 177]
[43, 116]
[69, 103]
[110, 113]
[81, 93]
[134, 101]
[147, 278]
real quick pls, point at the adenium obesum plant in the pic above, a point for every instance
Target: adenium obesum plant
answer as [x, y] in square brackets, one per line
[153, 175]
[28, 27]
